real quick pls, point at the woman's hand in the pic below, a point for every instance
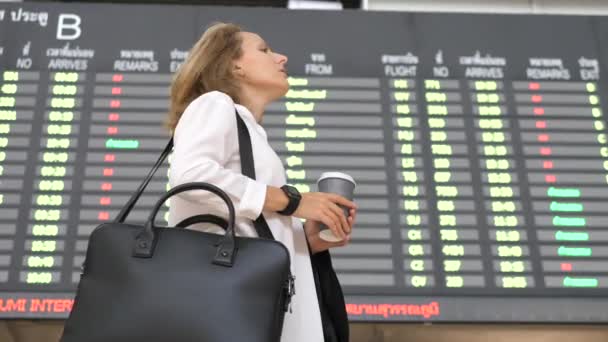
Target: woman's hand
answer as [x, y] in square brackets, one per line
[324, 207]
[316, 244]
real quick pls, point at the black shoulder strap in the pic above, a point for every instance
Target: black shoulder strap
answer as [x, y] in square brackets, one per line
[247, 168]
[126, 209]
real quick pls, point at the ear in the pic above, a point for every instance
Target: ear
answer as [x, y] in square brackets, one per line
[238, 70]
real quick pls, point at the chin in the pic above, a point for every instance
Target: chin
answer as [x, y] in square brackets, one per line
[280, 89]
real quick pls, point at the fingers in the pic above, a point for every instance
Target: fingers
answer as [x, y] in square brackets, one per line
[332, 222]
[345, 241]
[352, 217]
[325, 207]
[343, 221]
[342, 201]
[337, 217]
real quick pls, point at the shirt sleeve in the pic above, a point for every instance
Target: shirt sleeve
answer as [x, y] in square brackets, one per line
[204, 140]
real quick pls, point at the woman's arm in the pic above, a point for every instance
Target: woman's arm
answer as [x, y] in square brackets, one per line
[205, 139]
[275, 200]
[317, 206]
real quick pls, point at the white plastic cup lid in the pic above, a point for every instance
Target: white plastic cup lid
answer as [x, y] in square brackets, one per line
[340, 175]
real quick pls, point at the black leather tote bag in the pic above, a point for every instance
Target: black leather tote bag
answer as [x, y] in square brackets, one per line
[144, 283]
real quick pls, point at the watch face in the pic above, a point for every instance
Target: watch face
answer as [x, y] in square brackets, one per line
[293, 192]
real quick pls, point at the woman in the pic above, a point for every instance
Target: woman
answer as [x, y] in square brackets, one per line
[227, 69]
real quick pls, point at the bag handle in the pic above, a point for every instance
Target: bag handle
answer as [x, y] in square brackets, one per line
[146, 239]
[203, 218]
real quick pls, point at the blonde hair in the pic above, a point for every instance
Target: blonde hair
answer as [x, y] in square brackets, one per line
[208, 67]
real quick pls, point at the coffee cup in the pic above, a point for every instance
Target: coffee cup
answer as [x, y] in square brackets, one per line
[337, 183]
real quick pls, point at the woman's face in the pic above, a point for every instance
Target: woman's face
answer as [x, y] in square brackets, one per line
[261, 68]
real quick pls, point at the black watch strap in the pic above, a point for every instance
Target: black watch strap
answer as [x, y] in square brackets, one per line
[294, 200]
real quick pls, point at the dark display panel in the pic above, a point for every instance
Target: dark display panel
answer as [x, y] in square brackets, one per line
[478, 143]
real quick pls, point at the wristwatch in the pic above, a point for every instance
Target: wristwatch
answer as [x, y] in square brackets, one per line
[294, 199]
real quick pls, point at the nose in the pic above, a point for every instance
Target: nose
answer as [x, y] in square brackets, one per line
[281, 59]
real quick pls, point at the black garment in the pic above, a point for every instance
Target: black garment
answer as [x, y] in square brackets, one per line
[330, 297]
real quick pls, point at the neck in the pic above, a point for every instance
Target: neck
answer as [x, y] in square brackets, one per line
[255, 102]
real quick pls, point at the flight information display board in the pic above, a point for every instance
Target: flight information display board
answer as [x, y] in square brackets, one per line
[478, 143]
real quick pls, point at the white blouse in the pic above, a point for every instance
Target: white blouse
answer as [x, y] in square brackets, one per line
[206, 150]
